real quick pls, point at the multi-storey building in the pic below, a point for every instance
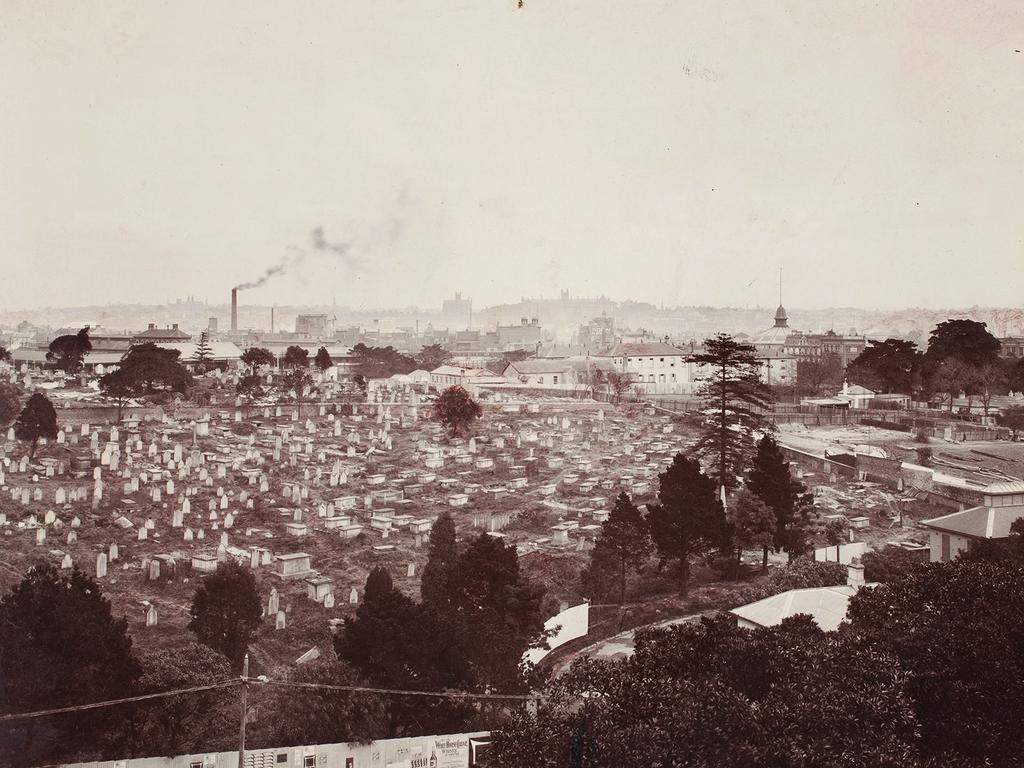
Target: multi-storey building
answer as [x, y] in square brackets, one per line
[813, 347]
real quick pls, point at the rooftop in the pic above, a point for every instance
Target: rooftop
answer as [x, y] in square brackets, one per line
[826, 605]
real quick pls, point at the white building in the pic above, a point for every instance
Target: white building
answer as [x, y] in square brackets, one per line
[654, 367]
[949, 535]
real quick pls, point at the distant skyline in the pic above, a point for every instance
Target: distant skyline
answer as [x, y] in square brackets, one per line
[387, 154]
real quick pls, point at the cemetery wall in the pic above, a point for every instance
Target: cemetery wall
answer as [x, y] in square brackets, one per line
[818, 463]
[460, 750]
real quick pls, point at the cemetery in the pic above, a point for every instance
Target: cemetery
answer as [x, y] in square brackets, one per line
[312, 497]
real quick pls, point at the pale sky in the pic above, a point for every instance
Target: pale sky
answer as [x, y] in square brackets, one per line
[671, 152]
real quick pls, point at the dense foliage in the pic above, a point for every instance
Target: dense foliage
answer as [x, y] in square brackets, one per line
[688, 519]
[226, 611]
[456, 409]
[37, 419]
[59, 646]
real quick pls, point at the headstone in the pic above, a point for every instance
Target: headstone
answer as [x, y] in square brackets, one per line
[151, 617]
[101, 565]
[280, 621]
[353, 597]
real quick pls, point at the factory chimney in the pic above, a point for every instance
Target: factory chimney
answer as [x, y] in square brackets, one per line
[234, 309]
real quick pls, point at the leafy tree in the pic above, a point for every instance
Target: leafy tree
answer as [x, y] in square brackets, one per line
[5, 355]
[889, 564]
[202, 358]
[958, 351]
[714, 695]
[437, 585]
[886, 366]
[813, 375]
[771, 481]
[991, 379]
[296, 381]
[752, 524]
[951, 376]
[10, 403]
[323, 359]
[432, 356]
[619, 384]
[226, 611]
[295, 357]
[499, 613]
[1013, 419]
[250, 387]
[377, 640]
[120, 386]
[318, 716]
[360, 381]
[956, 631]
[258, 357]
[68, 352]
[146, 368]
[456, 409]
[394, 642]
[735, 399]
[192, 722]
[688, 519]
[381, 362]
[37, 419]
[624, 541]
[803, 573]
[966, 340]
[59, 646]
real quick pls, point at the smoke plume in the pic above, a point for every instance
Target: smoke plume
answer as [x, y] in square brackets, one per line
[320, 244]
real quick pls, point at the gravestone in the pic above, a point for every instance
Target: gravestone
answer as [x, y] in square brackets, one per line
[101, 565]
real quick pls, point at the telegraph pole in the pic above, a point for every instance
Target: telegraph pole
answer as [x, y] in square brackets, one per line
[245, 703]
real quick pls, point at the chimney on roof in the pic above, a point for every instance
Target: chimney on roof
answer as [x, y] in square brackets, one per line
[151, 326]
[234, 309]
[855, 574]
[174, 327]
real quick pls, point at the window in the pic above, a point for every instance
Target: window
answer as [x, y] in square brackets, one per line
[309, 761]
[540, 379]
[196, 764]
[282, 757]
[554, 379]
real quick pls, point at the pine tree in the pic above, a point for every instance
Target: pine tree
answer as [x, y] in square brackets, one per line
[688, 518]
[735, 399]
[436, 586]
[624, 541]
[203, 355]
[37, 419]
[770, 480]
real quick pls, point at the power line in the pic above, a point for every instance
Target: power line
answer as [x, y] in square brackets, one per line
[255, 680]
[402, 692]
[114, 702]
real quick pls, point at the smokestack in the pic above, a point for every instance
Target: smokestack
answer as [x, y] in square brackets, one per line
[234, 309]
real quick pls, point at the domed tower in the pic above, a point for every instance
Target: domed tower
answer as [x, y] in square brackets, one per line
[781, 318]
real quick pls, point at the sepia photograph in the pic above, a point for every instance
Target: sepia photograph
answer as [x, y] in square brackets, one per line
[511, 384]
